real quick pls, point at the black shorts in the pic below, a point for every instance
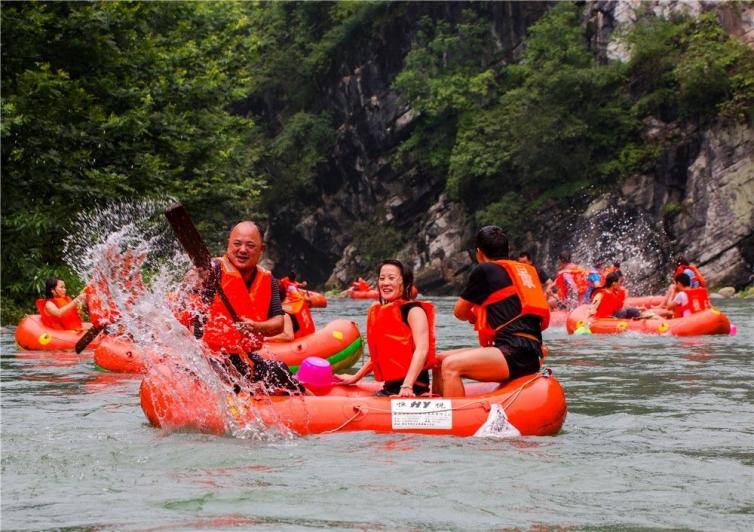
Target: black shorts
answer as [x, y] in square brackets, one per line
[628, 313]
[421, 385]
[522, 355]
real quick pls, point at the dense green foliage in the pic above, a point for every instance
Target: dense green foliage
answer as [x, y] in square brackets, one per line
[117, 100]
[225, 106]
[557, 124]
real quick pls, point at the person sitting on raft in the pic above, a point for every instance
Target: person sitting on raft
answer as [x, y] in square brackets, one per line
[254, 296]
[400, 335]
[684, 300]
[695, 276]
[570, 285]
[608, 301]
[58, 310]
[297, 318]
[508, 307]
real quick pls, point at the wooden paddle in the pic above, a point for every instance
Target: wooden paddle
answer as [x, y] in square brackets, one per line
[197, 250]
[85, 340]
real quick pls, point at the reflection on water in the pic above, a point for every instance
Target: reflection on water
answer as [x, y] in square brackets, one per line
[659, 435]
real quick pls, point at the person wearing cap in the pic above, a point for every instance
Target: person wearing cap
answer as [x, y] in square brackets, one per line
[400, 335]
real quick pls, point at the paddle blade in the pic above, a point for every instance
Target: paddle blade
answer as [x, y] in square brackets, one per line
[188, 236]
[85, 340]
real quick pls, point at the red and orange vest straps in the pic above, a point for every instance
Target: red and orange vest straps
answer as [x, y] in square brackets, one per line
[391, 345]
[527, 287]
[697, 273]
[698, 300]
[610, 303]
[253, 303]
[295, 304]
[579, 276]
[68, 321]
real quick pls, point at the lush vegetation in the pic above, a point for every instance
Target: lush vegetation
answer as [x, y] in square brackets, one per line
[223, 106]
[557, 124]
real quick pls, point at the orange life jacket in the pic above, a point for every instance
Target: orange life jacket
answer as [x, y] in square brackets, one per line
[526, 286]
[253, 303]
[579, 276]
[391, 344]
[698, 300]
[361, 285]
[284, 283]
[610, 303]
[697, 274]
[68, 321]
[295, 304]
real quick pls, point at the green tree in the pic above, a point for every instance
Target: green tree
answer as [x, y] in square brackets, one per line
[118, 100]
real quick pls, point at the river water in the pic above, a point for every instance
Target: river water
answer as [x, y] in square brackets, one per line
[659, 434]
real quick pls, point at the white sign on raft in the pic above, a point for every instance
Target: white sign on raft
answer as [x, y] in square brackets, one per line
[417, 413]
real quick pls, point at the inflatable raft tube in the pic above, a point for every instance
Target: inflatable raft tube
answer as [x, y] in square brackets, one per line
[708, 321]
[339, 342]
[533, 405]
[33, 335]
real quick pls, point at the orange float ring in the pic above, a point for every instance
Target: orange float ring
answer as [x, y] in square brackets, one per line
[33, 335]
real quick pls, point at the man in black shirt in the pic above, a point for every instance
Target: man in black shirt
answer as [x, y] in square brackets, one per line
[516, 348]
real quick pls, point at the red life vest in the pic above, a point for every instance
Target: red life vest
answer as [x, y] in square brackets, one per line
[698, 300]
[610, 303]
[361, 285]
[68, 321]
[253, 303]
[391, 344]
[526, 286]
[579, 276]
[697, 273]
[284, 283]
[295, 304]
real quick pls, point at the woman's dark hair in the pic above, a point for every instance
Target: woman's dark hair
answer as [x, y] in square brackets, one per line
[50, 285]
[683, 278]
[524, 254]
[493, 242]
[406, 274]
[611, 279]
[565, 256]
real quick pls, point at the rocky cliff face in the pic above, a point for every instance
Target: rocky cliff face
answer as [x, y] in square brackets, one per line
[699, 201]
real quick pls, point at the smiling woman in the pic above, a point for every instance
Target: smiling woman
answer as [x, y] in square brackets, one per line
[400, 334]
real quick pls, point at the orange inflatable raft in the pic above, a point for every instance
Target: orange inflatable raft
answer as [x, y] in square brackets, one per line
[33, 335]
[708, 321]
[364, 294]
[339, 342]
[315, 299]
[533, 405]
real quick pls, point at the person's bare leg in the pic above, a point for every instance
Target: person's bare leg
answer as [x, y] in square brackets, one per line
[486, 364]
[437, 369]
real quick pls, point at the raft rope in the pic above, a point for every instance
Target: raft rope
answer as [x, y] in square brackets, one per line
[484, 403]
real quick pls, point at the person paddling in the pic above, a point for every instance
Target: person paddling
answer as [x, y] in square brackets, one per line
[244, 308]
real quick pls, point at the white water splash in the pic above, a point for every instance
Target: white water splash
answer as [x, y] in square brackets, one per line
[128, 252]
[637, 242]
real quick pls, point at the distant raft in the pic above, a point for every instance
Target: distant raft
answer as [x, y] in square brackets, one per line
[708, 321]
[339, 342]
[315, 299]
[532, 405]
[33, 335]
[364, 294]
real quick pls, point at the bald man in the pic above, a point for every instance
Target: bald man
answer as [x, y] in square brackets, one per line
[251, 291]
